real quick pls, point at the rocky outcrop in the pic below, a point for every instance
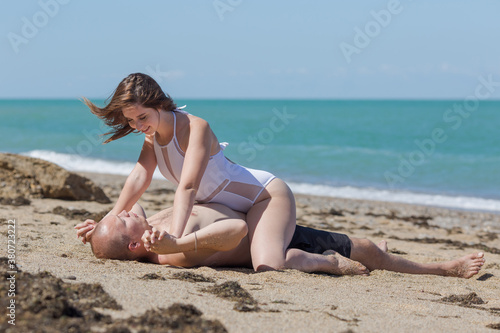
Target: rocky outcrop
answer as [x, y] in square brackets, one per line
[26, 177]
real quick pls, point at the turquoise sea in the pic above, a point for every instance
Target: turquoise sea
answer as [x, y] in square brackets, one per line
[444, 153]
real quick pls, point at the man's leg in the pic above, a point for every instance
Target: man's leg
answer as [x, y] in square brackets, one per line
[373, 257]
[305, 253]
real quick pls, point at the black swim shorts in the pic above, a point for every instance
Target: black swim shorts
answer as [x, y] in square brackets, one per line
[318, 241]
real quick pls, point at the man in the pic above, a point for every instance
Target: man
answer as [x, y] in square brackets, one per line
[215, 235]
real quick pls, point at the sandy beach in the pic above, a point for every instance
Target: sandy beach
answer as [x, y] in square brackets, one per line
[278, 301]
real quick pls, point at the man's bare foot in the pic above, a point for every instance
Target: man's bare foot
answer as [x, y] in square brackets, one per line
[345, 266]
[465, 267]
[383, 245]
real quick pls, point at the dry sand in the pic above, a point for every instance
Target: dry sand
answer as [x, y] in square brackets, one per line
[285, 301]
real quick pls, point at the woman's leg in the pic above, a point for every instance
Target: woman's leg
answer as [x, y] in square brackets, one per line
[333, 263]
[271, 224]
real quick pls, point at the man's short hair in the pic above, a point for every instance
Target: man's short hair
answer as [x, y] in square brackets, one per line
[108, 245]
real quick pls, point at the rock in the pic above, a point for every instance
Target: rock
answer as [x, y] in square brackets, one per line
[79, 214]
[18, 201]
[28, 177]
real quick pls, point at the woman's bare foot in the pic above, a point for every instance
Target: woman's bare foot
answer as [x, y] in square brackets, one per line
[465, 267]
[345, 266]
[383, 245]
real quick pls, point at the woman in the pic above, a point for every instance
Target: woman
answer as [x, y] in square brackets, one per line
[188, 154]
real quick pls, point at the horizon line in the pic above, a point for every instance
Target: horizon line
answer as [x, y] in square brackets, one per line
[258, 99]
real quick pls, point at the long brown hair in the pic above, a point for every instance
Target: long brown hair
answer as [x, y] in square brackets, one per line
[135, 89]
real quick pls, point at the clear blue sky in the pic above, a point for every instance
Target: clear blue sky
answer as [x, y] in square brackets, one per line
[250, 48]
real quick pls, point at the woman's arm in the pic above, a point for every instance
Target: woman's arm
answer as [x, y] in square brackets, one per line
[139, 179]
[198, 151]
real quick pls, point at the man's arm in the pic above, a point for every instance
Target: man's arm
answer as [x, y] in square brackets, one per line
[239, 256]
[223, 235]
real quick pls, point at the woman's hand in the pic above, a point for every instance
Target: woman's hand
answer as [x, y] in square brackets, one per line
[85, 230]
[159, 242]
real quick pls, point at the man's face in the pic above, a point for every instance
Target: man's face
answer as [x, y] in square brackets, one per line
[133, 224]
[127, 223]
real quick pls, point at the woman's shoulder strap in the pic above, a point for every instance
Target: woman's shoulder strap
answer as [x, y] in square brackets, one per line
[180, 109]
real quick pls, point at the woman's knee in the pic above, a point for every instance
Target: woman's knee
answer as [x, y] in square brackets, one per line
[264, 267]
[263, 264]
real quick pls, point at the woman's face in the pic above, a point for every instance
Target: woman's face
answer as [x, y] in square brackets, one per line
[142, 119]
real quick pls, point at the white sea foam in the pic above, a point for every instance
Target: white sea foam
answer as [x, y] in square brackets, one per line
[87, 164]
[79, 163]
[348, 192]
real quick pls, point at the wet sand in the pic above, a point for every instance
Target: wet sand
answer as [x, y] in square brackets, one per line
[239, 300]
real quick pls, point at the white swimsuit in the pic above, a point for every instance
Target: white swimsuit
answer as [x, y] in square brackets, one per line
[223, 182]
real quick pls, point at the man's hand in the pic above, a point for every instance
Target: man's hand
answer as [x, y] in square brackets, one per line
[159, 242]
[85, 230]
